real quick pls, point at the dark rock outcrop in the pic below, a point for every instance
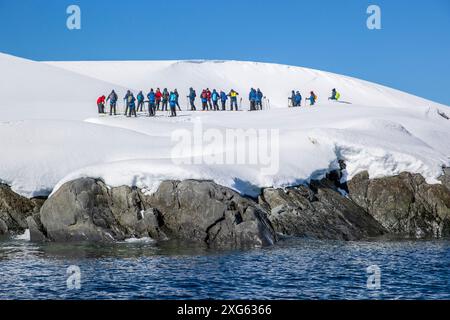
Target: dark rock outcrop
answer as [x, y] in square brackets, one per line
[405, 204]
[318, 211]
[445, 178]
[206, 212]
[87, 210]
[14, 210]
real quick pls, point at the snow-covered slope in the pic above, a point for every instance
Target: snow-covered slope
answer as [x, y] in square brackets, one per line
[50, 132]
[276, 81]
[32, 90]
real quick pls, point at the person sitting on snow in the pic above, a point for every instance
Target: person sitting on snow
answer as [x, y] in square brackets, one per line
[334, 95]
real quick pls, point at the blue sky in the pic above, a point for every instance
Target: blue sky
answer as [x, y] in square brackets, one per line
[411, 52]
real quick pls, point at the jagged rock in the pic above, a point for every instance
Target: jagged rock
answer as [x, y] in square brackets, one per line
[405, 204]
[206, 212]
[37, 231]
[318, 211]
[445, 178]
[87, 210]
[14, 210]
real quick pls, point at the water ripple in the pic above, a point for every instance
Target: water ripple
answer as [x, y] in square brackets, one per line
[293, 269]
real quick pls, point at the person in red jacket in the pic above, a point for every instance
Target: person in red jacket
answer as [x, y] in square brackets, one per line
[101, 104]
[158, 97]
[204, 97]
[208, 96]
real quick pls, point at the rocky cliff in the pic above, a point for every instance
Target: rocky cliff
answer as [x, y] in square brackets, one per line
[204, 212]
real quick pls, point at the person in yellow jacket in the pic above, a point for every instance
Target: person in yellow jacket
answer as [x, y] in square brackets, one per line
[334, 95]
[233, 98]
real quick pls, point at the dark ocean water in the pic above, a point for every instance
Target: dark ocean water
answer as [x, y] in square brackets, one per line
[293, 269]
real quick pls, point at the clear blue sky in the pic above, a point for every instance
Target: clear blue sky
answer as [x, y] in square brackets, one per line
[411, 52]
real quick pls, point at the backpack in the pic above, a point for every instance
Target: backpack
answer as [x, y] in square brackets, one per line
[338, 95]
[315, 97]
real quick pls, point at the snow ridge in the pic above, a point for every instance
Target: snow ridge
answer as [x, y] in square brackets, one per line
[54, 135]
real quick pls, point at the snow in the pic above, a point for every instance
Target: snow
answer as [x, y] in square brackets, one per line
[24, 237]
[276, 81]
[52, 134]
[33, 90]
[139, 240]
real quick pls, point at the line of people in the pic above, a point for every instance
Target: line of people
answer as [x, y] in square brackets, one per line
[162, 100]
[156, 101]
[210, 99]
[295, 100]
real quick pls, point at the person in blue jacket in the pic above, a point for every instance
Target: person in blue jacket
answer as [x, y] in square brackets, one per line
[132, 105]
[292, 98]
[140, 100]
[173, 104]
[127, 101]
[215, 99]
[151, 103]
[223, 99]
[178, 97]
[259, 99]
[298, 99]
[112, 102]
[312, 99]
[192, 95]
[252, 98]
